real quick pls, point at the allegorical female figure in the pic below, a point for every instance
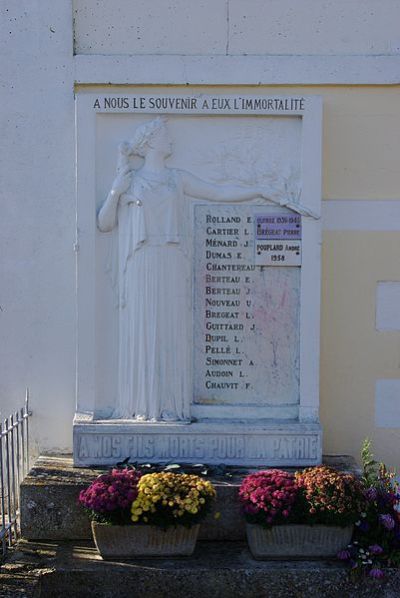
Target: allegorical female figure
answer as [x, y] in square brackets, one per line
[154, 274]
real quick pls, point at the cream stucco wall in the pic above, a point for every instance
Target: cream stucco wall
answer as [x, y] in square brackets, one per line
[361, 139]
[361, 142]
[353, 353]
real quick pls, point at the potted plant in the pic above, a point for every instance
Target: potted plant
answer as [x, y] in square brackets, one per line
[376, 542]
[304, 515]
[162, 517]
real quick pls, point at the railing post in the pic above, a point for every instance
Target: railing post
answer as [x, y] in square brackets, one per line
[12, 517]
[18, 454]
[2, 497]
[26, 419]
[8, 486]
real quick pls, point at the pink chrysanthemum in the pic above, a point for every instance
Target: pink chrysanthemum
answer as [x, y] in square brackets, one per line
[269, 494]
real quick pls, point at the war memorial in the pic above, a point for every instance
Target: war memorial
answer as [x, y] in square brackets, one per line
[200, 267]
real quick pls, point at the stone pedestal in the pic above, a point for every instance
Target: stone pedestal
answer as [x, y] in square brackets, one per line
[257, 444]
[50, 509]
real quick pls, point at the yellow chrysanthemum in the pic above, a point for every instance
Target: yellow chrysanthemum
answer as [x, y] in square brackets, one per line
[179, 494]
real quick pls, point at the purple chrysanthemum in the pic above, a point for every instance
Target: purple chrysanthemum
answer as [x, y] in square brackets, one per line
[343, 555]
[376, 573]
[387, 521]
[371, 494]
[375, 549]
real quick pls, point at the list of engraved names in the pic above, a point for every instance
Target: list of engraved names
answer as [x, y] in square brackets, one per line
[246, 317]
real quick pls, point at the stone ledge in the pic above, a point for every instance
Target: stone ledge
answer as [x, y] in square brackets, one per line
[216, 570]
[50, 511]
[150, 69]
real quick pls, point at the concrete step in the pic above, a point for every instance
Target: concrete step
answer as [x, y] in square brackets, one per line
[216, 570]
[50, 510]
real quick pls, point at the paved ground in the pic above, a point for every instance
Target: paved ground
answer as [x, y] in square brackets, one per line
[217, 570]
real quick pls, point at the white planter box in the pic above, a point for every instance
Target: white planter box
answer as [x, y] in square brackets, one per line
[297, 541]
[132, 541]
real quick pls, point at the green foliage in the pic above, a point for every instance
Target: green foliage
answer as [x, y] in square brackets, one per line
[117, 517]
[370, 466]
[375, 473]
[376, 543]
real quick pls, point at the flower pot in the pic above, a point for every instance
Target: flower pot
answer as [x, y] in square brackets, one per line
[297, 541]
[132, 541]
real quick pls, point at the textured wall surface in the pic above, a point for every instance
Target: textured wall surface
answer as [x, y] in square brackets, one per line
[37, 229]
[236, 27]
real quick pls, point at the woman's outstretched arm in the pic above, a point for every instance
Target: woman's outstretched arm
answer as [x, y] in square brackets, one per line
[196, 187]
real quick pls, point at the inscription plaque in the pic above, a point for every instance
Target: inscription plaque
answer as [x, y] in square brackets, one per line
[246, 317]
[202, 443]
[278, 239]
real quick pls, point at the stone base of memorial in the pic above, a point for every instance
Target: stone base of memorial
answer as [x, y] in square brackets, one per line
[297, 541]
[243, 444]
[135, 541]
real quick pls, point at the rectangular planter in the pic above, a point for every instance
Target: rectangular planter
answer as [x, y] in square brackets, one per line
[133, 541]
[297, 541]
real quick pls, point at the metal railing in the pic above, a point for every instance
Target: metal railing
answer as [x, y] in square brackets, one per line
[14, 465]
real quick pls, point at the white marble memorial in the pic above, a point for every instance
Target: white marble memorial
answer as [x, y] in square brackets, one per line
[198, 279]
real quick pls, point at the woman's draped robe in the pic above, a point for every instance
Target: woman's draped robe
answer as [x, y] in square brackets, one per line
[154, 380]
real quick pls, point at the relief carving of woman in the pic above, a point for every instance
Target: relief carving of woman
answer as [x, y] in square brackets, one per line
[154, 274]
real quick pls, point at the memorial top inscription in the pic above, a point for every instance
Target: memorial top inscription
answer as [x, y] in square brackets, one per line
[201, 104]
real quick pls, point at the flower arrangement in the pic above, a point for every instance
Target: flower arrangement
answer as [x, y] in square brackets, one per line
[109, 497]
[170, 499]
[267, 497]
[328, 496]
[135, 514]
[376, 542]
[317, 495]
